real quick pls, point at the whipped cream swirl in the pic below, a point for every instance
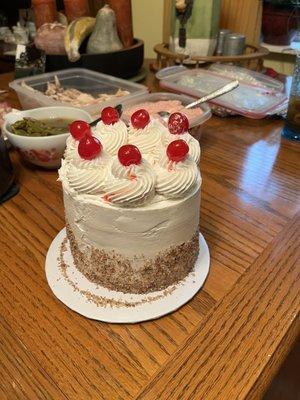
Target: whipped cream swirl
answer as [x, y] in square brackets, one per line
[129, 186]
[111, 136]
[149, 139]
[176, 179]
[71, 148]
[190, 140]
[88, 176]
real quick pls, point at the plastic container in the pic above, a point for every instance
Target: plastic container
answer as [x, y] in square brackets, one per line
[154, 97]
[82, 79]
[168, 71]
[247, 76]
[248, 100]
[231, 71]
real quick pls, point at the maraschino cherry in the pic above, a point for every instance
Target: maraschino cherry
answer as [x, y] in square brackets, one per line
[89, 147]
[140, 119]
[79, 129]
[177, 150]
[129, 154]
[178, 123]
[109, 115]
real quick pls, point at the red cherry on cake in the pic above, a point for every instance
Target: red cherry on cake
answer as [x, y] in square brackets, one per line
[177, 150]
[140, 119]
[129, 154]
[89, 147]
[178, 123]
[79, 129]
[109, 115]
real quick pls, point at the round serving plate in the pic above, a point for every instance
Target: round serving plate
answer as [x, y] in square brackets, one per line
[99, 303]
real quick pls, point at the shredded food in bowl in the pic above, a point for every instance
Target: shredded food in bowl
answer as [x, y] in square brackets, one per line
[74, 96]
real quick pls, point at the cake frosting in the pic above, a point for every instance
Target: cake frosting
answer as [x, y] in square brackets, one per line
[111, 136]
[191, 141]
[147, 139]
[176, 180]
[71, 148]
[132, 227]
[129, 186]
[86, 176]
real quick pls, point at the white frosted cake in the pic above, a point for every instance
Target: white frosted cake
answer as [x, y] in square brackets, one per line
[132, 197]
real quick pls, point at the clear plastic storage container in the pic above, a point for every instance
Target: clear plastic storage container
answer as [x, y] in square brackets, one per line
[248, 100]
[161, 96]
[247, 76]
[87, 81]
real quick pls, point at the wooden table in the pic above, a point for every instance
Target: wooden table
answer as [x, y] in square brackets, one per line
[226, 343]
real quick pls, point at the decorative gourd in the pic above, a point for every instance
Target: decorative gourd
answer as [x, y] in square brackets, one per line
[50, 38]
[76, 33]
[104, 38]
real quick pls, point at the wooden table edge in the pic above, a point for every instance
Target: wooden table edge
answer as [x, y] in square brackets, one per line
[273, 366]
[155, 388]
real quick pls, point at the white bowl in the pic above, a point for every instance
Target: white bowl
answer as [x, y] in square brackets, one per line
[44, 151]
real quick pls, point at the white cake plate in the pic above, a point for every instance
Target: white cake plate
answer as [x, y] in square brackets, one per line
[99, 303]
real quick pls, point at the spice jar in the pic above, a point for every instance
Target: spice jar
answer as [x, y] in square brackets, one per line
[234, 44]
[44, 11]
[75, 9]
[221, 38]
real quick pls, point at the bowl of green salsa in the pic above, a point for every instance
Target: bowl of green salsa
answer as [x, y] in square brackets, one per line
[40, 134]
[34, 127]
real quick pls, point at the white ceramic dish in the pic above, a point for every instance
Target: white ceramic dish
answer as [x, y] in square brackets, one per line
[76, 292]
[44, 151]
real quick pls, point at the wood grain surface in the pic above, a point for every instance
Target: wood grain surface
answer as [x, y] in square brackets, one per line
[246, 19]
[226, 343]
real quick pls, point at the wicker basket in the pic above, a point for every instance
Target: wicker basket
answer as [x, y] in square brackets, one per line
[251, 59]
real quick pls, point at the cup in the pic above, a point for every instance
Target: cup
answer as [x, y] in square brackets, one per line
[221, 38]
[234, 44]
[291, 128]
